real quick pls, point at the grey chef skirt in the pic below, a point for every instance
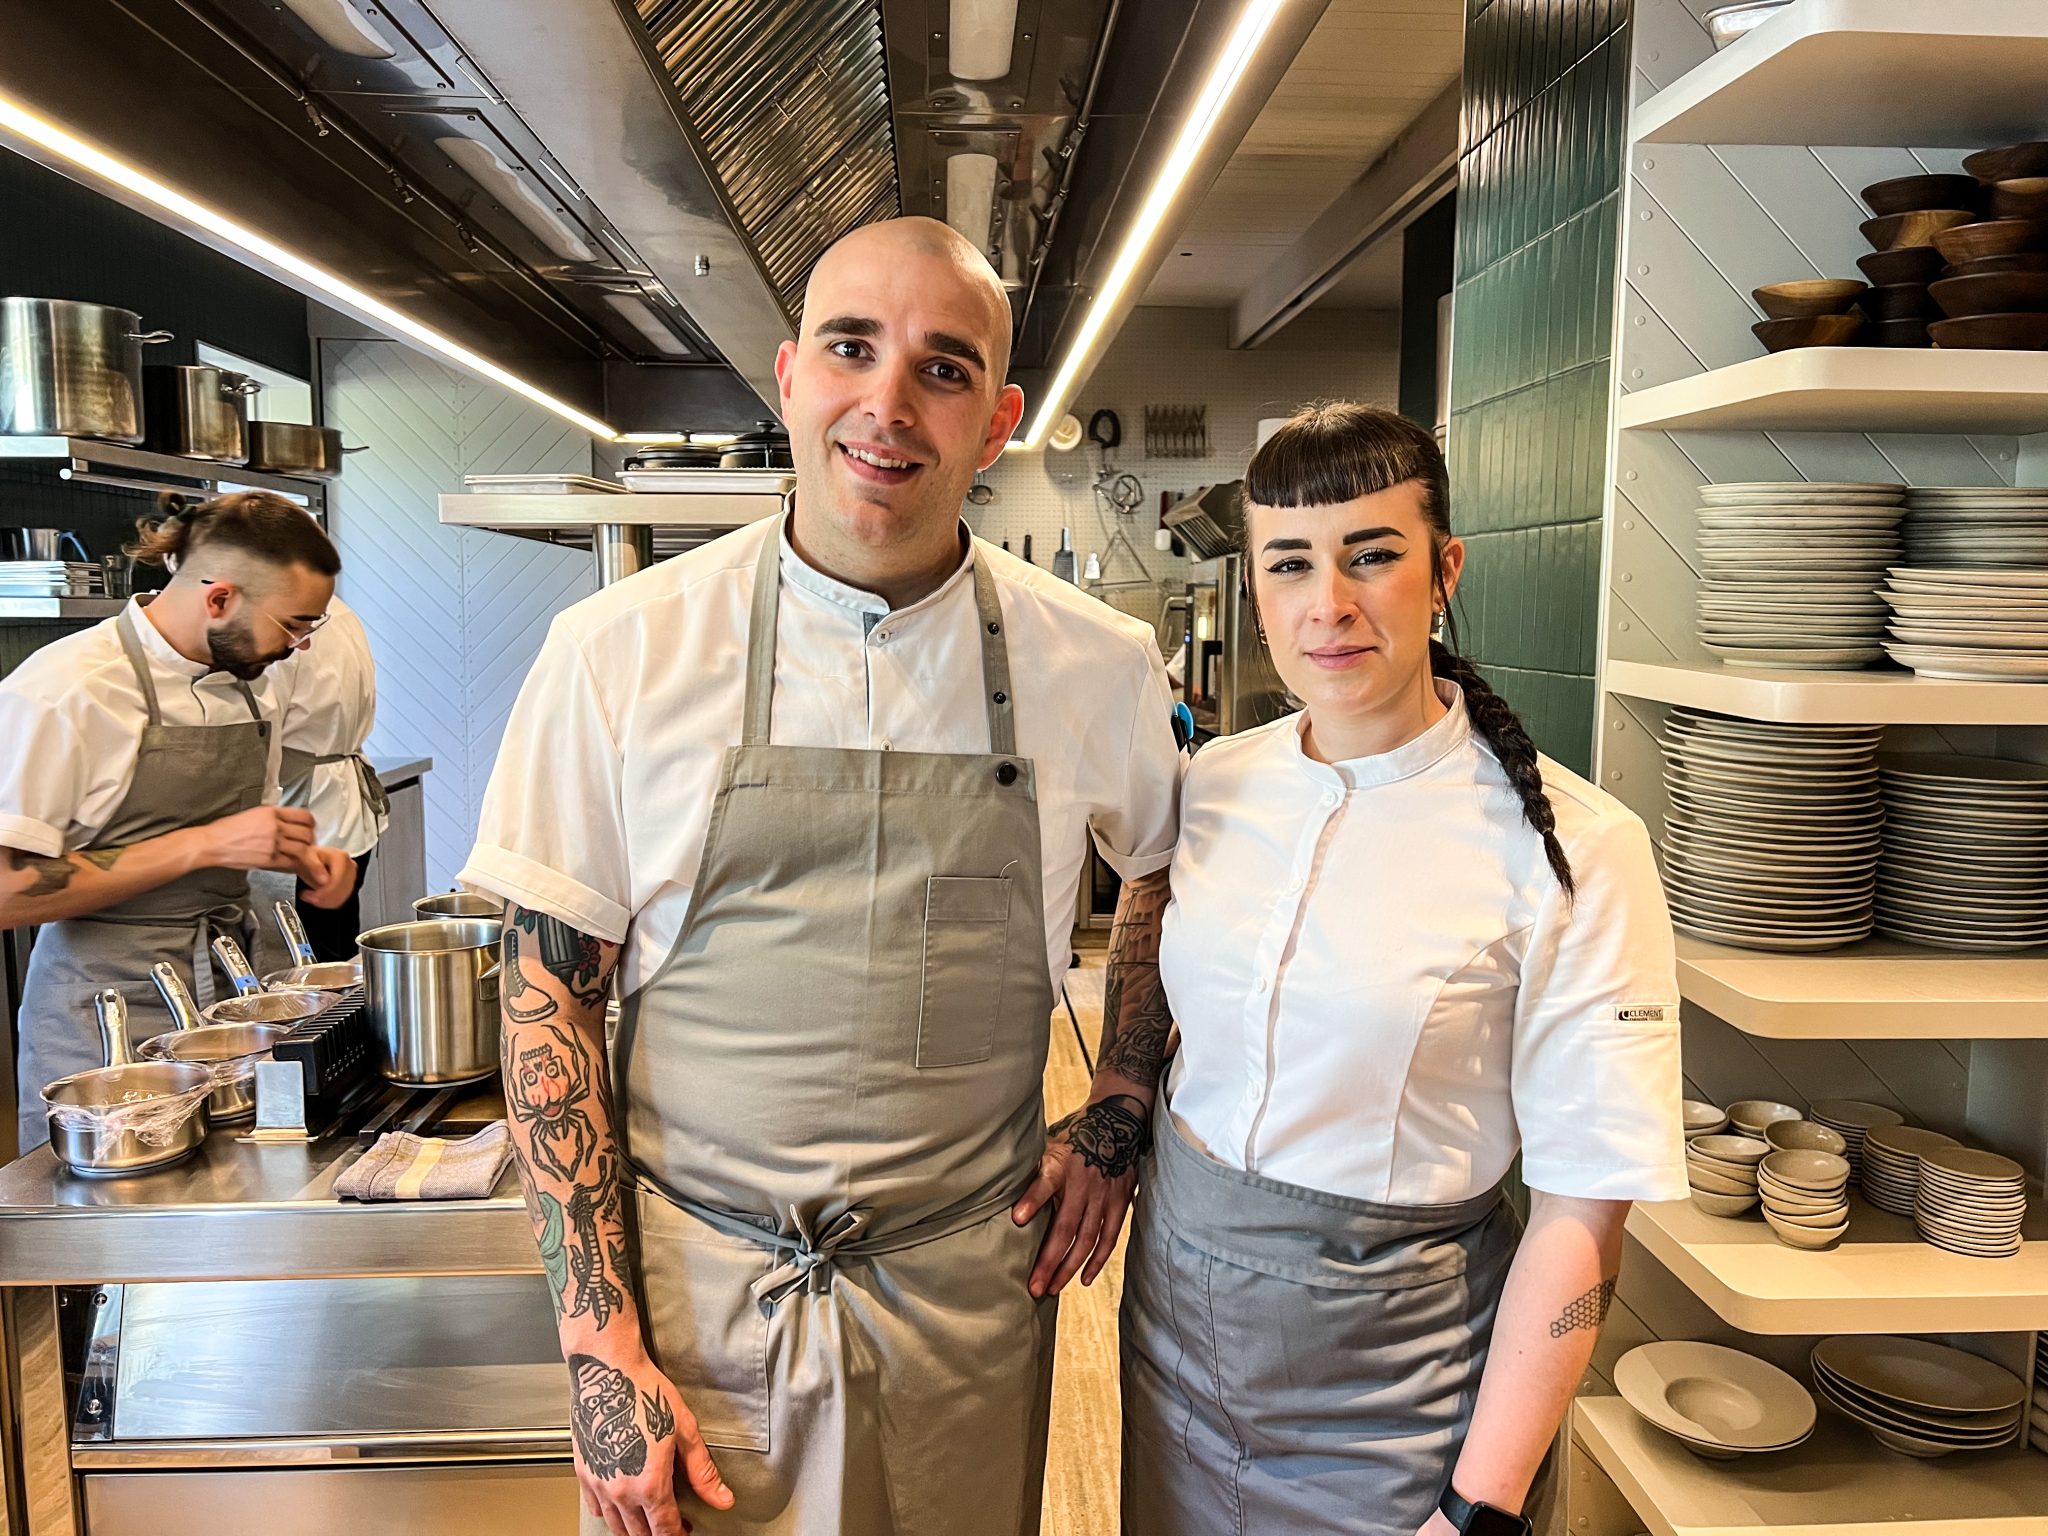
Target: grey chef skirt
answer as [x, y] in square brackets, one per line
[1295, 1361]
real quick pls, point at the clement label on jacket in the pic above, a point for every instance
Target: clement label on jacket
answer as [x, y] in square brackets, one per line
[1644, 1013]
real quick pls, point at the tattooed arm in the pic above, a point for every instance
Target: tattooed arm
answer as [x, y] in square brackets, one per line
[1557, 1296]
[632, 1429]
[1090, 1165]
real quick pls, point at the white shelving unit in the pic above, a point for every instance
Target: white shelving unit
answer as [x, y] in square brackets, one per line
[1820, 698]
[1854, 389]
[1928, 72]
[1877, 990]
[1881, 1278]
[1839, 1483]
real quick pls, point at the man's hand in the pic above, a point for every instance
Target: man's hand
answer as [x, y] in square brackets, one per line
[1089, 1172]
[329, 875]
[634, 1435]
[262, 837]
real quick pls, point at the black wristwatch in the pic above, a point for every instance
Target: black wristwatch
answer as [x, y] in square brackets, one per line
[1480, 1519]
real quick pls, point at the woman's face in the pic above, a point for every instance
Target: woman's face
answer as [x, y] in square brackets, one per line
[1346, 597]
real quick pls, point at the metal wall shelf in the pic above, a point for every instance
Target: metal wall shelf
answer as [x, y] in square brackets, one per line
[137, 469]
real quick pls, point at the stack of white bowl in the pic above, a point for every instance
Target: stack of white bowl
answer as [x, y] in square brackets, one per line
[1789, 571]
[1921, 1398]
[1977, 526]
[1971, 1202]
[1965, 860]
[1716, 1401]
[1722, 1172]
[1969, 623]
[1755, 1117]
[1771, 831]
[1806, 1197]
[1891, 1165]
[1702, 1118]
[1853, 1119]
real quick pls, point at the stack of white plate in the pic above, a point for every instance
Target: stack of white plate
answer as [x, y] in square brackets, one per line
[1771, 832]
[47, 578]
[1972, 525]
[1789, 571]
[1920, 1398]
[1806, 1197]
[1722, 1172]
[1965, 861]
[1969, 624]
[1891, 1165]
[1971, 1202]
[1852, 1120]
[1717, 1401]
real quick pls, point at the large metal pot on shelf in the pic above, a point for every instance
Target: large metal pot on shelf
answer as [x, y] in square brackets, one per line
[432, 992]
[291, 448]
[766, 447]
[197, 412]
[675, 456]
[69, 369]
[127, 1116]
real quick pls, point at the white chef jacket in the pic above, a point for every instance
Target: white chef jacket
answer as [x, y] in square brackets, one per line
[596, 809]
[332, 707]
[1382, 990]
[72, 718]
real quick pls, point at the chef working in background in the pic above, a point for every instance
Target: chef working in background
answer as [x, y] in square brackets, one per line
[138, 777]
[822, 790]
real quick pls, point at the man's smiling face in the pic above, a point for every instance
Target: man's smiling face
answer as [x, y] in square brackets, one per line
[894, 393]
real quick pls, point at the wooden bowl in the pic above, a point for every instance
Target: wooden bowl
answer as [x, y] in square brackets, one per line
[1897, 230]
[1910, 264]
[2018, 261]
[2024, 197]
[1807, 297]
[1896, 333]
[2004, 333]
[1991, 293]
[2010, 162]
[1812, 331]
[1993, 237]
[1906, 194]
[1899, 301]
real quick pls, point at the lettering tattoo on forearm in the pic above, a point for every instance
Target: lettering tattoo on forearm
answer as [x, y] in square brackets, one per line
[1136, 1021]
[1588, 1311]
[1109, 1134]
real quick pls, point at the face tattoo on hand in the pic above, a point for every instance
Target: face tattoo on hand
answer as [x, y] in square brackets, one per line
[546, 1091]
[607, 1432]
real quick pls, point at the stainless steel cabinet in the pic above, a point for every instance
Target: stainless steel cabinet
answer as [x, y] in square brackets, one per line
[396, 873]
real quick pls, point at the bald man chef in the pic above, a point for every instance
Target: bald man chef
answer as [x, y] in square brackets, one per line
[823, 789]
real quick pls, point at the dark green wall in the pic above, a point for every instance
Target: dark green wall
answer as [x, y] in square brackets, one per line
[1539, 205]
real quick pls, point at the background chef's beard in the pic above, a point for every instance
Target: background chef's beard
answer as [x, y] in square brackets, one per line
[232, 645]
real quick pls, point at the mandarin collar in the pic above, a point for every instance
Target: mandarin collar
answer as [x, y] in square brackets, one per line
[799, 572]
[1403, 762]
[161, 652]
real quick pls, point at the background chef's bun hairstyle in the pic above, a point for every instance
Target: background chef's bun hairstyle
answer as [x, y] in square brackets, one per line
[1337, 451]
[258, 524]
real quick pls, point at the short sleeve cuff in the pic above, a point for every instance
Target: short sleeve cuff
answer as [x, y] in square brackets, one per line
[37, 837]
[1616, 1180]
[533, 885]
[1132, 866]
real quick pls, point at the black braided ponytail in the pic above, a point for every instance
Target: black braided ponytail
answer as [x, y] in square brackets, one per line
[1337, 451]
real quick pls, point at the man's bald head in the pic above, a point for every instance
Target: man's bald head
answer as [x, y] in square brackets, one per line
[928, 241]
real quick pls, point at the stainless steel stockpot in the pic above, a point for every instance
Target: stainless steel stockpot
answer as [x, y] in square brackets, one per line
[128, 1116]
[71, 370]
[432, 992]
[458, 904]
[197, 412]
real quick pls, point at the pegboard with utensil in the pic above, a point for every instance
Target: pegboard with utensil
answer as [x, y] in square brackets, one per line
[1176, 431]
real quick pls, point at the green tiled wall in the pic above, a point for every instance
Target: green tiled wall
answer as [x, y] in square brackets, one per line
[1539, 208]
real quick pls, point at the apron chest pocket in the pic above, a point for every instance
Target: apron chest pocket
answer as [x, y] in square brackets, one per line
[966, 942]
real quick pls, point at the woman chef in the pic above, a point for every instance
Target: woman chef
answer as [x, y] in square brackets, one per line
[1402, 946]
[142, 757]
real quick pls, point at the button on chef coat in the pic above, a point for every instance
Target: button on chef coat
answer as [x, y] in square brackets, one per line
[596, 809]
[72, 716]
[1382, 990]
[333, 705]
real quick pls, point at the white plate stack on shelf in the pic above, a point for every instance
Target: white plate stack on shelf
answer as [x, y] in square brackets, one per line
[1918, 1397]
[1716, 1401]
[1979, 526]
[1891, 1165]
[48, 578]
[1971, 1202]
[1969, 624]
[1771, 832]
[1789, 571]
[1806, 1197]
[1965, 861]
[1852, 1120]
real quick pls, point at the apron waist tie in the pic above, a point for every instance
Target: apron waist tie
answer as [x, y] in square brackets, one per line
[810, 1254]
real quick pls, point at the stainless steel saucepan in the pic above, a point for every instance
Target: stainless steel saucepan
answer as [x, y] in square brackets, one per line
[305, 970]
[256, 1002]
[231, 1047]
[128, 1116]
[432, 991]
[458, 904]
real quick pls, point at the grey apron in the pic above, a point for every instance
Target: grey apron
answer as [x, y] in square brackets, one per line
[829, 1095]
[1297, 1361]
[295, 777]
[185, 776]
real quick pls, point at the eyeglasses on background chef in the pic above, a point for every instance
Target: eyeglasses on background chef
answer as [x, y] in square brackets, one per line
[297, 630]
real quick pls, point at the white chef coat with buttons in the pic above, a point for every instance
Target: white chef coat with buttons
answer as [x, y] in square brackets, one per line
[1383, 991]
[596, 809]
[72, 717]
[332, 707]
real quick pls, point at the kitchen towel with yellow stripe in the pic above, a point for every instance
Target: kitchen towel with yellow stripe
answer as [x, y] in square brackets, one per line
[402, 1166]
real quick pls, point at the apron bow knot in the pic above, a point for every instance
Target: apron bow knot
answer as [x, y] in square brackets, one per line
[808, 1258]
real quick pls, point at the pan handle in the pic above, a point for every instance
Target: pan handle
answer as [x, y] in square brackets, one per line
[171, 988]
[293, 928]
[228, 955]
[358, 448]
[112, 1009]
[148, 338]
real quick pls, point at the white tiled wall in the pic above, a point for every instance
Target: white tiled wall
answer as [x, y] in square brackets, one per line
[1180, 357]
